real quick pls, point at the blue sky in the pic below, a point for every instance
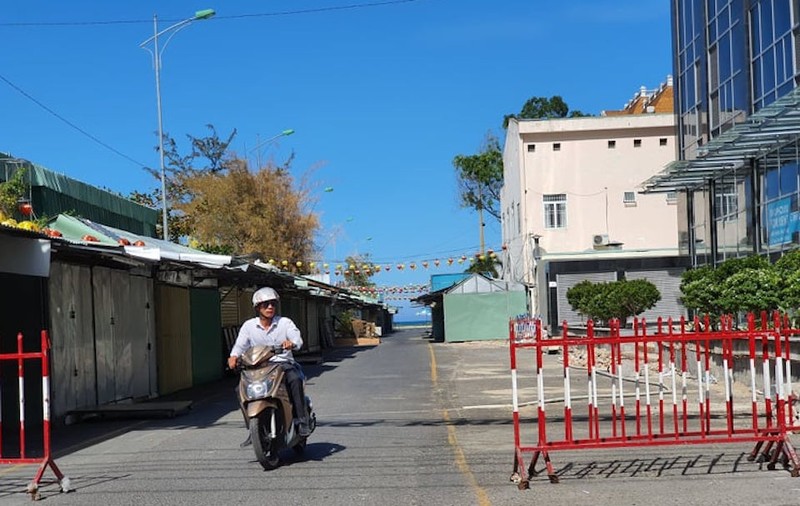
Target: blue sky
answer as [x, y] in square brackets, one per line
[381, 96]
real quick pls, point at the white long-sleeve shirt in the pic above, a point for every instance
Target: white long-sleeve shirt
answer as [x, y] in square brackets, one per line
[252, 333]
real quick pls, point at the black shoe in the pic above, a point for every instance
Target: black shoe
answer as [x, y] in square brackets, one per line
[247, 442]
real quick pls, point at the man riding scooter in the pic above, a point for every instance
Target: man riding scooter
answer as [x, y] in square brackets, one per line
[267, 328]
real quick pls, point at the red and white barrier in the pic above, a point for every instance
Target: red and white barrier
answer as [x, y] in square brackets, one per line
[46, 460]
[657, 372]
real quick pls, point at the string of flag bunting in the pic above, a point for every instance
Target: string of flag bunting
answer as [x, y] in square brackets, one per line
[369, 269]
[387, 293]
[352, 273]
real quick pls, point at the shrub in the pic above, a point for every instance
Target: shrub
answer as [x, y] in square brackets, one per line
[618, 299]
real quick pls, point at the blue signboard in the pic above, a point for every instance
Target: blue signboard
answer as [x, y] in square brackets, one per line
[781, 221]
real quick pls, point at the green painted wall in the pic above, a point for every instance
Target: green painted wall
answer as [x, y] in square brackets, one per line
[206, 322]
[480, 316]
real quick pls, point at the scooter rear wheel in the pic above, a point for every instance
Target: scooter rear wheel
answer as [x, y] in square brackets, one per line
[266, 449]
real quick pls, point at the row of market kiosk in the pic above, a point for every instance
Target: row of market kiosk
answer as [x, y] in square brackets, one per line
[130, 322]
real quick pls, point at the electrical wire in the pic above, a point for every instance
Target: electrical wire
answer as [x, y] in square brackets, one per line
[68, 122]
[236, 16]
[128, 22]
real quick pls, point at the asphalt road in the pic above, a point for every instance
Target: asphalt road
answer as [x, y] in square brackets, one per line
[404, 423]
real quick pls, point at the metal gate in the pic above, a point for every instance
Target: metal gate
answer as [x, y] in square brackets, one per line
[46, 460]
[655, 389]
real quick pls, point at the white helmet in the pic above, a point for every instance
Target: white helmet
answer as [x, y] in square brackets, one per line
[264, 294]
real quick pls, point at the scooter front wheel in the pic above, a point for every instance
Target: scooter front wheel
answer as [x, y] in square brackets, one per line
[266, 449]
[300, 447]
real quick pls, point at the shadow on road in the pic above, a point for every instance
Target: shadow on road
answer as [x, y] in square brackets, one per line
[678, 464]
[315, 452]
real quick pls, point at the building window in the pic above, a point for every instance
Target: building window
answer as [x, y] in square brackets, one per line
[531, 148]
[612, 144]
[672, 197]
[629, 198]
[726, 202]
[556, 146]
[519, 220]
[555, 210]
[637, 143]
[662, 141]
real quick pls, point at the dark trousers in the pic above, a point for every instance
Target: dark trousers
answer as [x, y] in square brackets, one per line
[294, 384]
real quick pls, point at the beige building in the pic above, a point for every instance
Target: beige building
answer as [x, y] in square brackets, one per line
[571, 187]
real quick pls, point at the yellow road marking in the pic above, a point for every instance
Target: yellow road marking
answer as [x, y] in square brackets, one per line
[12, 468]
[461, 460]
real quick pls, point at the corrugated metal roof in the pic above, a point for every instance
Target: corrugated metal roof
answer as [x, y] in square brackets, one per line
[762, 133]
[76, 229]
[38, 176]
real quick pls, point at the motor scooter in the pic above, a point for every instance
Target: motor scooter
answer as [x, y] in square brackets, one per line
[267, 406]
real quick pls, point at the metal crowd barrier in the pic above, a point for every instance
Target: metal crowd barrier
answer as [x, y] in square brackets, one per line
[46, 460]
[666, 378]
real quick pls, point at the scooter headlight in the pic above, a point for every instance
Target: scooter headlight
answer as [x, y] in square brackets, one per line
[258, 389]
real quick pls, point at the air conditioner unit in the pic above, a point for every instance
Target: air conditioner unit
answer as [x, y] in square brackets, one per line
[600, 240]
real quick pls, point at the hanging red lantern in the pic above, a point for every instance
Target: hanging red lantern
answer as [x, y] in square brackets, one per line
[425, 264]
[436, 262]
[26, 208]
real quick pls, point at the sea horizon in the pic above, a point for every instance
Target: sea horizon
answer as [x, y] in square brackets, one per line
[413, 323]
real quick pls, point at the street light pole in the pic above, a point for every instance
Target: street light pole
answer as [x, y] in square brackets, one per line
[156, 52]
[284, 133]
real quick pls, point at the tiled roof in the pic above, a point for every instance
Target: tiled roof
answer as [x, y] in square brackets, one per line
[646, 101]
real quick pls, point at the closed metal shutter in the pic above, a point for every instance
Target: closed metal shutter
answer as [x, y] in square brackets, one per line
[229, 305]
[668, 282]
[567, 281]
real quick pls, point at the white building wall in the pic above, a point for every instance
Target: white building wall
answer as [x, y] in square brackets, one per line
[573, 157]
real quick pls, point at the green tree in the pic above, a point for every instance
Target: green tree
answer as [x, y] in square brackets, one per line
[480, 177]
[207, 155]
[360, 270]
[617, 299]
[543, 108]
[752, 289]
[787, 268]
[485, 264]
[579, 295]
[11, 191]
[699, 290]
[250, 213]
[631, 297]
[703, 289]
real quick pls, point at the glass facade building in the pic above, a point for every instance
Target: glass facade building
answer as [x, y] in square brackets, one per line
[738, 116]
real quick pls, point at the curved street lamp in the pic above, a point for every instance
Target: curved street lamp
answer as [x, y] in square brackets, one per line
[284, 133]
[156, 52]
